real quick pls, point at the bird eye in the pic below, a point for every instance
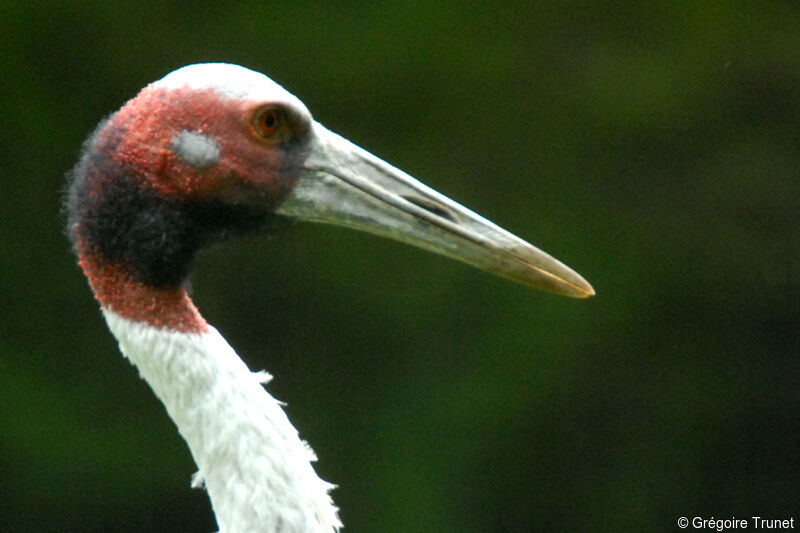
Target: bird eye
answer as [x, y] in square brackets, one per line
[267, 121]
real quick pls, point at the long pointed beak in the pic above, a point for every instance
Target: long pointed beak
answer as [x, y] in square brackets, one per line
[346, 185]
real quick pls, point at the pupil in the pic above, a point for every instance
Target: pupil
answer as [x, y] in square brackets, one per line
[270, 120]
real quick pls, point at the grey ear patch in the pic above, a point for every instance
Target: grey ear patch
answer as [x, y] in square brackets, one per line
[196, 149]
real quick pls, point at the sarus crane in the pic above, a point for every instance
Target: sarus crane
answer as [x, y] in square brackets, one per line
[214, 150]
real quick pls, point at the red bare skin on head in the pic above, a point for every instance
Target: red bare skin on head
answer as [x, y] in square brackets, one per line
[142, 132]
[139, 141]
[159, 307]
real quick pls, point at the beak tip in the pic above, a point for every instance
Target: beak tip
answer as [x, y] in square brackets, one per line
[559, 279]
[577, 287]
[581, 292]
[588, 292]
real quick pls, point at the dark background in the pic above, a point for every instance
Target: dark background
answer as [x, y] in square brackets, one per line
[654, 147]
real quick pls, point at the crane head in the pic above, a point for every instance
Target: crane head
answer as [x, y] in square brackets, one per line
[213, 149]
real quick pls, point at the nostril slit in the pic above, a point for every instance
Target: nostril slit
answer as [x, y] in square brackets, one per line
[430, 207]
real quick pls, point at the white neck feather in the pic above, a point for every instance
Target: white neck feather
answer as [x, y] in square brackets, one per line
[255, 467]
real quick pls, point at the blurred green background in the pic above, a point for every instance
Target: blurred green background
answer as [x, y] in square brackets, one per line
[654, 147]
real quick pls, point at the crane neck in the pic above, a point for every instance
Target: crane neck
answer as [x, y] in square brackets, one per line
[250, 458]
[161, 307]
